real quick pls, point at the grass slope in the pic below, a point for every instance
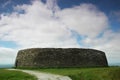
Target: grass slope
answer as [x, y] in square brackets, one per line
[15, 75]
[110, 73]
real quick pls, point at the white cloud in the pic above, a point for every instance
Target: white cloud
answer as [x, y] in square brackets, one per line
[7, 55]
[52, 5]
[85, 19]
[37, 27]
[46, 25]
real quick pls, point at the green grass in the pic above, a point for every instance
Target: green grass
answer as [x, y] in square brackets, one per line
[15, 75]
[110, 73]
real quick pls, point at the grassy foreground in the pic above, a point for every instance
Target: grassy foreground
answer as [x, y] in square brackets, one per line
[15, 75]
[110, 73]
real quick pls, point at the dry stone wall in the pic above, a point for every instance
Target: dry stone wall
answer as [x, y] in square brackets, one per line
[60, 57]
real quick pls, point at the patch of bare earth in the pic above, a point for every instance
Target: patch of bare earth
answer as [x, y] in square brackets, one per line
[44, 76]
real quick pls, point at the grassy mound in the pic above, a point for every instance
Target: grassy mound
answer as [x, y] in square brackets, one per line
[15, 75]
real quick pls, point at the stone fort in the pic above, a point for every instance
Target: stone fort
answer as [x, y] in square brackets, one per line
[60, 57]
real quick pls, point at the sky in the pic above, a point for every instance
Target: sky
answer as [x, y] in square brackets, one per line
[59, 24]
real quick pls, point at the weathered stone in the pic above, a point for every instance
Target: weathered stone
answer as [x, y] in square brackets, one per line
[60, 57]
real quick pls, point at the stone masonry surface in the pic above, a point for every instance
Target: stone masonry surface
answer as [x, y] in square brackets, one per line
[60, 57]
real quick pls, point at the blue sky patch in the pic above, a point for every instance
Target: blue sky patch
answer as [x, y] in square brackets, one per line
[8, 44]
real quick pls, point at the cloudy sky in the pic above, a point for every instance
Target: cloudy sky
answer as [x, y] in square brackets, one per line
[59, 23]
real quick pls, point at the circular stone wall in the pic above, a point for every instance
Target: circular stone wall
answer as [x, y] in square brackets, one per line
[60, 57]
